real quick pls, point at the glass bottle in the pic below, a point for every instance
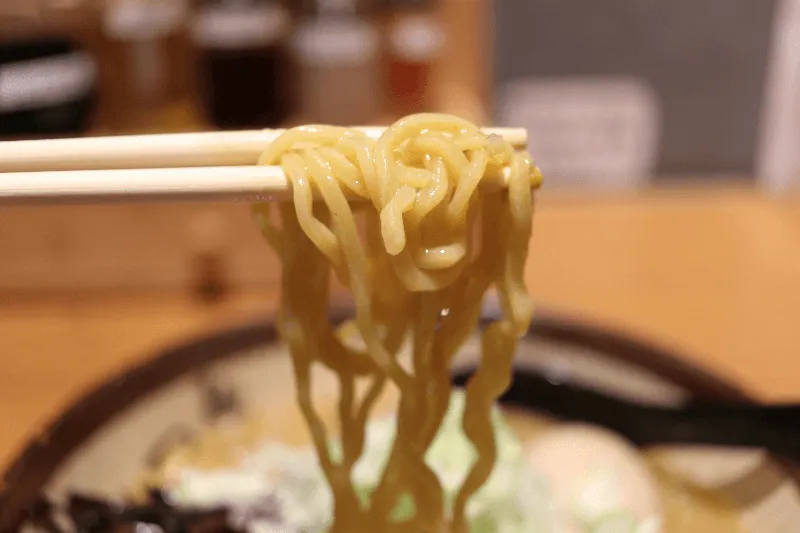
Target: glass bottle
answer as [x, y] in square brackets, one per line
[336, 51]
[243, 62]
[414, 40]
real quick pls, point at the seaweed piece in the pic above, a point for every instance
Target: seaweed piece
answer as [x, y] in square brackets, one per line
[92, 515]
[42, 514]
[89, 514]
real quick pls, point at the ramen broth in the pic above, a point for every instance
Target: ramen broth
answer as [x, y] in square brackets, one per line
[686, 509]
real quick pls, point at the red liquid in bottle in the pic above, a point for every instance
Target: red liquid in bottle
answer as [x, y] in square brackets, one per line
[413, 45]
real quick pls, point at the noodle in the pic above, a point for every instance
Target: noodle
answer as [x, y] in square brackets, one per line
[439, 234]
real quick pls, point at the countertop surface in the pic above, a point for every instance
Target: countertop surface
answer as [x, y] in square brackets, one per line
[713, 274]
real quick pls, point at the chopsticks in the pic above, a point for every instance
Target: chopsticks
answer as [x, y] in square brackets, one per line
[207, 149]
[243, 183]
[189, 166]
[238, 183]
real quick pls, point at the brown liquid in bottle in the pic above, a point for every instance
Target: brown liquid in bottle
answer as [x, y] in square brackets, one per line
[408, 86]
[145, 67]
[242, 63]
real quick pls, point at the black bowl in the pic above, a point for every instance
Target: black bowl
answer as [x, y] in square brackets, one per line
[105, 439]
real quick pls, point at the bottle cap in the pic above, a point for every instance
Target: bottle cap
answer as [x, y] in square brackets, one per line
[237, 26]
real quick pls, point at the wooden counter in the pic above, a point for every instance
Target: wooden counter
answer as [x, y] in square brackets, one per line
[714, 274]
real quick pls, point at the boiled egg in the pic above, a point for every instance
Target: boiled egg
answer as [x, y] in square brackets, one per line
[598, 480]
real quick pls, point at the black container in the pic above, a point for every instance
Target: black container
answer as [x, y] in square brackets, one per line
[243, 65]
[48, 87]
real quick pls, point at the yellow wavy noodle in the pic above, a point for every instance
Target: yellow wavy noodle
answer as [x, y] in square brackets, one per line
[434, 233]
[686, 508]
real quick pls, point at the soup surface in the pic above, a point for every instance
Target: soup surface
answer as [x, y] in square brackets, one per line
[218, 466]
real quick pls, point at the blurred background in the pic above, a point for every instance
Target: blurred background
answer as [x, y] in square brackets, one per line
[616, 95]
[698, 97]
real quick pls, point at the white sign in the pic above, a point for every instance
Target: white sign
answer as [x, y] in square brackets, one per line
[778, 166]
[586, 132]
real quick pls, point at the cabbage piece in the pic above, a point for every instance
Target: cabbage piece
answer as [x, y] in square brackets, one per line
[616, 522]
[513, 499]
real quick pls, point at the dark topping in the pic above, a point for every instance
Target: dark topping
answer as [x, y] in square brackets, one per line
[44, 516]
[88, 514]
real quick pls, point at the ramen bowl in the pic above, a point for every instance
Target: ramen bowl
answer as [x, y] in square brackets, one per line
[103, 443]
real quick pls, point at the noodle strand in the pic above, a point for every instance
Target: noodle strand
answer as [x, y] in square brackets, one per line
[437, 236]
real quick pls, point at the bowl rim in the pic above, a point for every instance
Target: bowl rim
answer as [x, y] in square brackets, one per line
[23, 481]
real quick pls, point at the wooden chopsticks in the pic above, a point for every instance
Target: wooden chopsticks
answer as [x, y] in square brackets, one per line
[208, 149]
[239, 183]
[244, 183]
[213, 165]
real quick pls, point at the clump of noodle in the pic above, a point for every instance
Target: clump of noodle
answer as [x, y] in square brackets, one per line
[438, 234]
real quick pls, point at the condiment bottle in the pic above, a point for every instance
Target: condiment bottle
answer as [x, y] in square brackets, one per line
[336, 50]
[145, 60]
[243, 62]
[414, 40]
[48, 81]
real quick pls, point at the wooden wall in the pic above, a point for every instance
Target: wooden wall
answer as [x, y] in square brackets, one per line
[111, 247]
[127, 246]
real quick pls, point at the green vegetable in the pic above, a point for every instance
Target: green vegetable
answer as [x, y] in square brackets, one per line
[513, 500]
[616, 522]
